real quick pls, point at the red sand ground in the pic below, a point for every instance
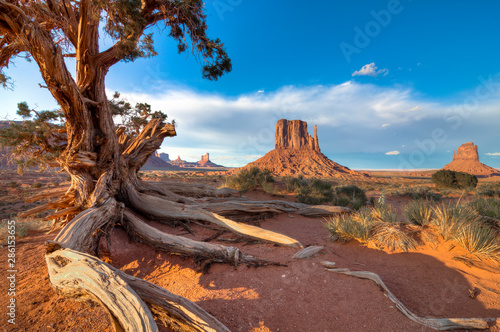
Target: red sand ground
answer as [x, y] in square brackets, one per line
[300, 297]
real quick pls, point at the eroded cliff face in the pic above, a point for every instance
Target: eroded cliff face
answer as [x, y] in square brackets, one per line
[466, 151]
[466, 159]
[293, 134]
[298, 153]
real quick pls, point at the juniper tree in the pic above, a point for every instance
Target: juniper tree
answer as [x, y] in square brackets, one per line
[103, 160]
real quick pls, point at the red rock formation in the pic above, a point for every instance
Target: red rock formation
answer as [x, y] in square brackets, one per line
[296, 152]
[164, 156]
[466, 159]
[293, 135]
[155, 162]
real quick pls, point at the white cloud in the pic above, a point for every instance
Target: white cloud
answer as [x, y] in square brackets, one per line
[370, 70]
[493, 154]
[392, 153]
[349, 118]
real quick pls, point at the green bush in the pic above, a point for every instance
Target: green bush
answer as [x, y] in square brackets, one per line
[310, 191]
[252, 178]
[12, 184]
[455, 180]
[417, 192]
[351, 194]
[36, 185]
[418, 212]
[489, 207]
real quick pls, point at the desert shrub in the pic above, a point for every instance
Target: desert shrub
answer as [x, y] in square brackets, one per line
[385, 213]
[36, 185]
[489, 207]
[22, 227]
[310, 191]
[455, 180]
[12, 184]
[418, 212]
[479, 240]
[252, 178]
[358, 225]
[351, 194]
[450, 219]
[393, 238]
[417, 192]
[54, 184]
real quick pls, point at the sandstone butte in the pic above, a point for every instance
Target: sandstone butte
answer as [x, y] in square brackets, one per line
[297, 153]
[466, 159]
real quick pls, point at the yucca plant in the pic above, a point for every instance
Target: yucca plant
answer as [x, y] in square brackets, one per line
[358, 225]
[418, 212]
[393, 238]
[385, 213]
[450, 219]
[479, 240]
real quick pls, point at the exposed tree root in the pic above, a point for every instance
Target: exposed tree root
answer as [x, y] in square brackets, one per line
[434, 323]
[167, 210]
[84, 277]
[141, 231]
[82, 233]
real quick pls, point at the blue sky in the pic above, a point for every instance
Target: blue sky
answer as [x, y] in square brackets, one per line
[390, 84]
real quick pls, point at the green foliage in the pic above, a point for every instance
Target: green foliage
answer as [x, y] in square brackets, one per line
[489, 207]
[310, 191]
[417, 192]
[351, 194]
[186, 21]
[36, 185]
[358, 225]
[133, 118]
[252, 178]
[418, 212]
[455, 180]
[479, 240]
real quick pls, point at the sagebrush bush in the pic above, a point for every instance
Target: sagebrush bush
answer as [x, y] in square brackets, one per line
[417, 192]
[252, 178]
[455, 180]
[12, 184]
[489, 207]
[418, 212]
[351, 194]
[310, 191]
[36, 185]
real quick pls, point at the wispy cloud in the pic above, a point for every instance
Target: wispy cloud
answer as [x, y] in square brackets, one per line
[386, 125]
[392, 153]
[370, 70]
[495, 154]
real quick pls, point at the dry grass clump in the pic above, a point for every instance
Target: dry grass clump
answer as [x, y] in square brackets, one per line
[418, 212]
[369, 225]
[450, 219]
[385, 213]
[393, 237]
[252, 178]
[21, 227]
[479, 240]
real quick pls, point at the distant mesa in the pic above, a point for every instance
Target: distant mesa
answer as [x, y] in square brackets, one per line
[466, 159]
[296, 152]
[159, 160]
[164, 156]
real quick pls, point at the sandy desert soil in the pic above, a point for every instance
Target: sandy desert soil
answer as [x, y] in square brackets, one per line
[299, 297]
